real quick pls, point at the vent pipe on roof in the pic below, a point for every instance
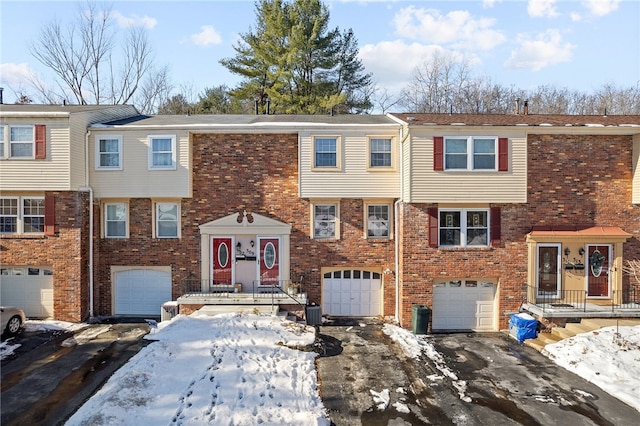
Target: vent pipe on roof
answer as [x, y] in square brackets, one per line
[525, 108]
[1, 100]
[517, 105]
[268, 106]
[256, 105]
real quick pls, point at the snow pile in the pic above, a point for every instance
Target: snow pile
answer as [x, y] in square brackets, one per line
[415, 345]
[381, 399]
[226, 370]
[608, 357]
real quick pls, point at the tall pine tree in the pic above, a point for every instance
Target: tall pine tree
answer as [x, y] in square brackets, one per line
[296, 63]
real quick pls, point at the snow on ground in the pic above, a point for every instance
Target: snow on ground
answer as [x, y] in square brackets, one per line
[8, 347]
[228, 369]
[608, 357]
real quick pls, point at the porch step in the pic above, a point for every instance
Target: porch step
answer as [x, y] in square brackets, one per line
[536, 344]
[548, 338]
[291, 317]
[227, 309]
[609, 322]
[562, 332]
[577, 328]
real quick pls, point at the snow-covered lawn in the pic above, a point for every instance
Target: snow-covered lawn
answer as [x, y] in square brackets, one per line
[229, 370]
[608, 357]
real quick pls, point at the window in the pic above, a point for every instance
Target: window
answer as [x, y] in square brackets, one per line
[470, 153]
[167, 220]
[109, 152]
[325, 221]
[378, 221]
[33, 215]
[464, 228]
[162, 152]
[27, 215]
[115, 225]
[21, 142]
[380, 152]
[326, 152]
[2, 139]
[9, 215]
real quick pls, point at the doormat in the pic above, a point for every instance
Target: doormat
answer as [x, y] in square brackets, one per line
[561, 305]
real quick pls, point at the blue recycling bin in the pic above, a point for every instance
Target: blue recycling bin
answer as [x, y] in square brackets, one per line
[523, 326]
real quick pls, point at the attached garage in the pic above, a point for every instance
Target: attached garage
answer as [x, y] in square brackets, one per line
[141, 292]
[352, 293]
[464, 305]
[29, 288]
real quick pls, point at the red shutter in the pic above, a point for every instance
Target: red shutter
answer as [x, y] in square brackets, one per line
[503, 154]
[433, 226]
[495, 226]
[438, 153]
[41, 141]
[49, 215]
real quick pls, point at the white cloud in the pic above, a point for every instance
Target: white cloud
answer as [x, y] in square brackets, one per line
[206, 37]
[15, 75]
[457, 28]
[601, 7]
[544, 50]
[488, 4]
[134, 20]
[542, 8]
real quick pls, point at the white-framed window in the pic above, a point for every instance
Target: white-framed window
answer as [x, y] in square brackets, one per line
[326, 153]
[115, 220]
[32, 215]
[3, 138]
[380, 153]
[471, 153]
[378, 220]
[167, 220]
[21, 142]
[162, 152]
[464, 227]
[9, 215]
[325, 219]
[108, 152]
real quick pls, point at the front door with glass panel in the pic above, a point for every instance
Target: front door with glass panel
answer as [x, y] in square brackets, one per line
[598, 263]
[548, 270]
[269, 260]
[222, 260]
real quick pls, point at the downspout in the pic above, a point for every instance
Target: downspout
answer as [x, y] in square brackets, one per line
[396, 219]
[88, 189]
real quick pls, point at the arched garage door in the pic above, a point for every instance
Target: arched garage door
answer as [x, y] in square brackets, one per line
[141, 291]
[352, 293]
[463, 305]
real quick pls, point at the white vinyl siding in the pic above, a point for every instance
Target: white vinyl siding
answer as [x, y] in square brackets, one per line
[636, 170]
[485, 186]
[355, 179]
[136, 179]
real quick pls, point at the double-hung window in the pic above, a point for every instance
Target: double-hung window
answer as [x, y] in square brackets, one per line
[2, 139]
[21, 142]
[167, 220]
[22, 215]
[162, 152]
[326, 152]
[464, 228]
[471, 153]
[115, 220]
[325, 221]
[378, 221]
[380, 152]
[109, 152]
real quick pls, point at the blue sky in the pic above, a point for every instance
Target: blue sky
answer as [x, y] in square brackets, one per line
[577, 44]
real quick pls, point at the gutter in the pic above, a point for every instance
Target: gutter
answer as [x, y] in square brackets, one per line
[88, 189]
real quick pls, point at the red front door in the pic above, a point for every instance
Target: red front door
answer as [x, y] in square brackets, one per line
[269, 261]
[222, 260]
[598, 263]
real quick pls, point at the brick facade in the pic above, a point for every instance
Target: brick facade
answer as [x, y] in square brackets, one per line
[66, 252]
[572, 180]
[233, 173]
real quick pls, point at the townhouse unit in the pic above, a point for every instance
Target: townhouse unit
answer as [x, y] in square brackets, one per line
[475, 216]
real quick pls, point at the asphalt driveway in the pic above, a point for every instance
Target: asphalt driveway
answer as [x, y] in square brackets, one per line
[497, 381]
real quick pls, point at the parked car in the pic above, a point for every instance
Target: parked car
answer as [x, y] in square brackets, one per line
[11, 320]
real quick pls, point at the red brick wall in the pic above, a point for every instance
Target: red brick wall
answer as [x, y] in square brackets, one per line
[232, 173]
[572, 180]
[67, 252]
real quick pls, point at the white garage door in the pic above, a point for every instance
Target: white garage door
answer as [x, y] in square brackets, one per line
[141, 291]
[29, 288]
[464, 305]
[352, 293]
